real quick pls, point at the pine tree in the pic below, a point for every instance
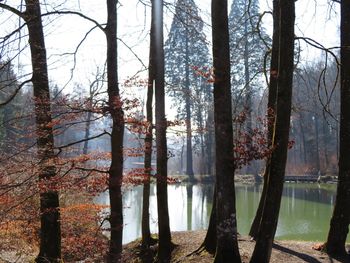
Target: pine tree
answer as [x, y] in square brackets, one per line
[248, 42]
[186, 53]
[247, 50]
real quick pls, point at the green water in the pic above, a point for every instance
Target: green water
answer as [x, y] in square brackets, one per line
[305, 211]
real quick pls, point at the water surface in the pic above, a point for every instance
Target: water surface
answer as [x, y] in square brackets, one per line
[305, 211]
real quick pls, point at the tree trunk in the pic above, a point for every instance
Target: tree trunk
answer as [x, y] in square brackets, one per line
[269, 219]
[201, 134]
[189, 154]
[248, 89]
[165, 245]
[339, 225]
[116, 168]
[317, 147]
[87, 131]
[271, 109]
[226, 225]
[326, 139]
[303, 141]
[209, 143]
[146, 233]
[50, 230]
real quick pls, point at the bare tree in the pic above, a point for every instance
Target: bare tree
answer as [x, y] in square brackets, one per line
[339, 225]
[271, 109]
[50, 230]
[165, 245]
[226, 224]
[146, 233]
[276, 168]
[116, 111]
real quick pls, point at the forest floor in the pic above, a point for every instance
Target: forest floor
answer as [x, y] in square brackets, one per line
[187, 242]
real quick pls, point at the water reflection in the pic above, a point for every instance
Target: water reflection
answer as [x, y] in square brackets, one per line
[305, 209]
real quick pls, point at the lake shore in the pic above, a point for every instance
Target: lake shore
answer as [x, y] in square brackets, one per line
[188, 241]
[185, 243]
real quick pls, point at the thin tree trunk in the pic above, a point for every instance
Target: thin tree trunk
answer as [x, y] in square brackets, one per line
[146, 233]
[116, 168]
[209, 144]
[189, 154]
[201, 136]
[271, 110]
[87, 132]
[50, 230]
[226, 224]
[302, 130]
[269, 219]
[165, 246]
[248, 89]
[339, 225]
[326, 139]
[317, 150]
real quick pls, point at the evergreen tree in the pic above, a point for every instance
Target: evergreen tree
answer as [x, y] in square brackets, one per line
[247, 50]
[186, 54]
[248, 42]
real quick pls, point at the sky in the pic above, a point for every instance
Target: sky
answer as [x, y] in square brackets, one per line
[314, 19]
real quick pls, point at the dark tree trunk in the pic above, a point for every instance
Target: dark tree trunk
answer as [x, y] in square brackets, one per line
[182, 156]
[116, 168]
[146, 233]
[271, 109]
[269, 219]
[317, 147]
[303, 141]
[226, 225]
[50, 230]
[201, 129]
[165, 245]
[339, 225]
[189, 154]
[209, 143]
[326, 139]
[248, 89]
[87, 132]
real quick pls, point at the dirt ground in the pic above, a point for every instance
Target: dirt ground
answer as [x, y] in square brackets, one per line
[187, 242]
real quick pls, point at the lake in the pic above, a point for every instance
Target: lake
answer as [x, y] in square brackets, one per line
[305, 211]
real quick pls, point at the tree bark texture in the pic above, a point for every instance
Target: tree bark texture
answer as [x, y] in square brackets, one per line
[275, 180]
[116, 111]
[50, 230]
[339, 225]
[164, 244]
[271, 109]
[226, 225]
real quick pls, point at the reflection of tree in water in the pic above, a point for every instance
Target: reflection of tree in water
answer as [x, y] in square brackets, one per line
[305, 211]
[189, 190]
[132, 200]
[312, 194]
[324, 194]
